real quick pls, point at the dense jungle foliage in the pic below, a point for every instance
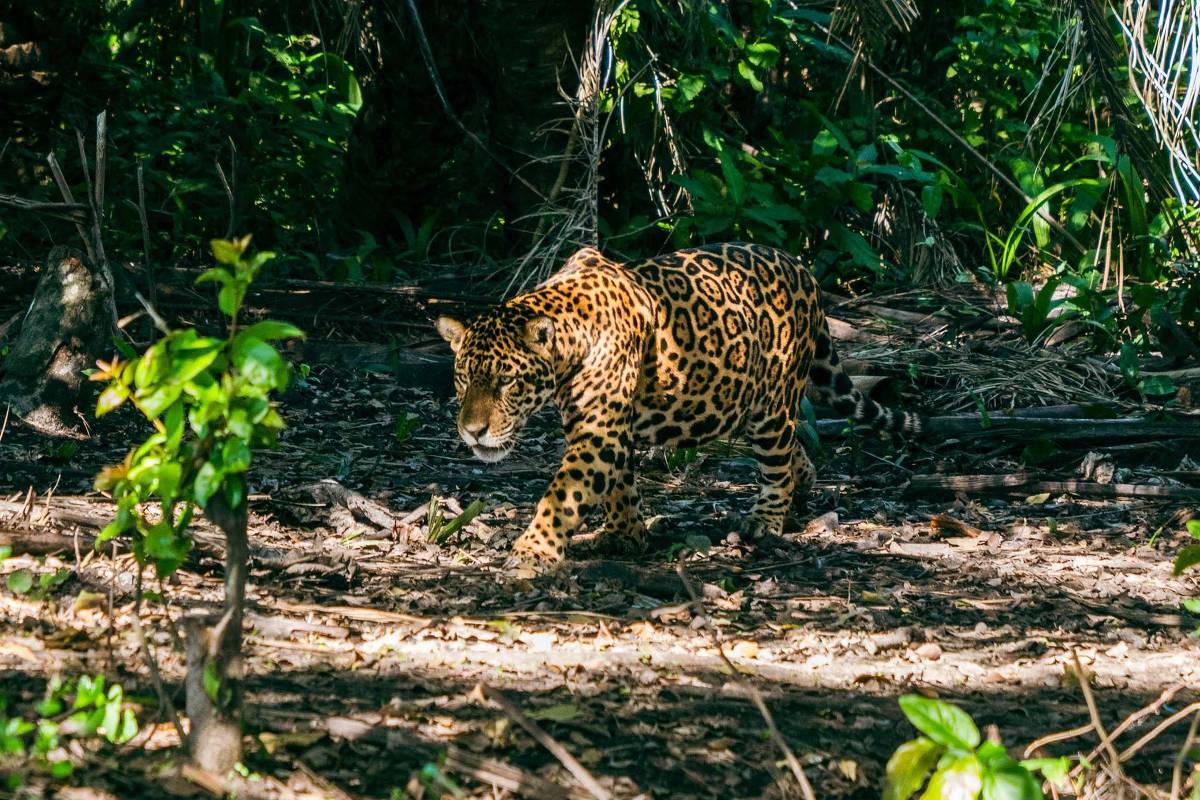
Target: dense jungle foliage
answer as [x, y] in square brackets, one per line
[895, 143]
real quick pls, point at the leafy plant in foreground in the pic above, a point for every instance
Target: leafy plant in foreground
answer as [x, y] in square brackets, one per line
[209, 399]
[952, 762]
[72, 710]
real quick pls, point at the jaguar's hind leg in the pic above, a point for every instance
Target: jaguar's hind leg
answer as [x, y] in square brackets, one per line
[773, 439]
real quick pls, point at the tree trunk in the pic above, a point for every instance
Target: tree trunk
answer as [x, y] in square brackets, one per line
[214, 655]
[68, 326]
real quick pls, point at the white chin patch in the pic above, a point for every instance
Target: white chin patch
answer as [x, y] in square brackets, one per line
[490, 454]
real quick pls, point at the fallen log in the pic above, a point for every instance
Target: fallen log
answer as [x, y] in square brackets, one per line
[1175, 427]
[1029, 483]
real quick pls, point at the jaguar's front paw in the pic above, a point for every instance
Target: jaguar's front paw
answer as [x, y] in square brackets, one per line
[532, 556]
[756, 527]
[628, 540]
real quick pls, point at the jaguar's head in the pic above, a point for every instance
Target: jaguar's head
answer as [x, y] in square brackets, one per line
[503, 373]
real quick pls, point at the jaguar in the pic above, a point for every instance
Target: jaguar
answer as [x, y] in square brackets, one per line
[675, 350]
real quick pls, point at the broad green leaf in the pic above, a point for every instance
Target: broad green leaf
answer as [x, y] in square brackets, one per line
[111, 398]
[945, 724]
[216, 274]
[1192, 604]
[733, 179]
[259, 362]
[227, 252]
[908, 768]
[1010, 782]
[269, 329]
[747, 72]
[235, 456]
[824, 143]
[157, 401]
[207, 481]
[20, 582]
[1157, 386]
[762, 54]
[961, 779]
[152, 366]
[1188, 557]
[128, 727]
[229, 299]
[1055, 770]
[564, 712]
[1193, 528]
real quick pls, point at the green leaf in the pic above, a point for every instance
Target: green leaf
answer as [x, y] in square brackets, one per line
[747, 72]
[1010, 782]
[61, 769]
[1055, 770]
[961, 779]
[269, 329]
[824, 143]
[931, 200]
[207, 481]
[1193, 528]
[211, 680]
[259, 362]
[1128, 362]
[157, 401]
[152, 366]
[689, 87]
[216, 274]
[5, 552]
[229, 299]
[1188, 557]
[564, 712]
[733, 179]
[908, 768]
[1157, 386]
[1192, 604]
[20, 582]
[227, 252]
[111, 398]
[945, 724]
[128, 727]
[762, 54]
[235, 456]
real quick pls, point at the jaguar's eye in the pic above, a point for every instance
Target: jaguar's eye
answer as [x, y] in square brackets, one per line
[503, 380]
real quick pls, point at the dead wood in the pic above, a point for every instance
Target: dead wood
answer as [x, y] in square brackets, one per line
[1180, 426]
[1028, 483]
[67, 328]
[577, 770]
[43, 542]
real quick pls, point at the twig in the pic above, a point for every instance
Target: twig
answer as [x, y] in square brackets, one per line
[164, 699]
[1177, 772]
[776, 737]
[228, 189]
[1097, 725]
[64, 189]
[547, 741]
[141, 209]
[158, 321]
[1131, 751]
[1128, 722]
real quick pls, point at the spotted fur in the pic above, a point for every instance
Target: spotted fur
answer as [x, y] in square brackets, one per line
[676, 350]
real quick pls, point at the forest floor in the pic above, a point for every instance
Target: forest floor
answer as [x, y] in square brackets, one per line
[367, 644]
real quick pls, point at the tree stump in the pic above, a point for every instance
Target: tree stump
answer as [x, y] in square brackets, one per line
[69, 325]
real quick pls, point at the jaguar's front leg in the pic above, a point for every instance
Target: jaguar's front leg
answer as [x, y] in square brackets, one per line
[624, 532]
[589, 473]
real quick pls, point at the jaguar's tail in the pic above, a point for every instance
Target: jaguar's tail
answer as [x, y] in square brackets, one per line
[829, 384]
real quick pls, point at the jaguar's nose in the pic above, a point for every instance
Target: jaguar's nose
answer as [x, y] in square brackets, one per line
[473, 429]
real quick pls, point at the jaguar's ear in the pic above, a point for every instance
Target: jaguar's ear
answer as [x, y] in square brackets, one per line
[539, 335]
[451, 330]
